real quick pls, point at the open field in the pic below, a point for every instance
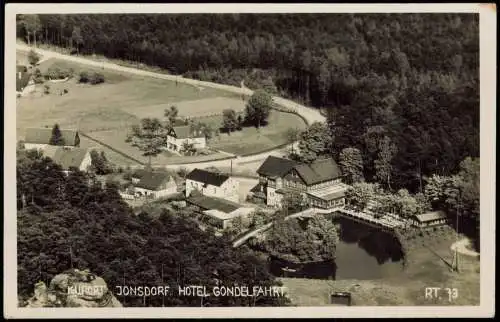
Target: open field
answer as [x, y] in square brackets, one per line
[250, 140]
[112, 156]
[405, 288]
[192, 108]
[107, 111]
[247, 141]
[104, 106]
[116, 139]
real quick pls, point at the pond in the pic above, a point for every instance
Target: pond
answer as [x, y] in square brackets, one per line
[363, 252]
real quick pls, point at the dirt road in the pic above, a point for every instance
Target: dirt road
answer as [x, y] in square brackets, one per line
[309, 114]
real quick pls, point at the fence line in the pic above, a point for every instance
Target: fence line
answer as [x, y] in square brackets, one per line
[111, 148]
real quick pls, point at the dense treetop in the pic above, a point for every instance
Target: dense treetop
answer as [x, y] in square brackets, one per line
[400, 88]
[87, 225]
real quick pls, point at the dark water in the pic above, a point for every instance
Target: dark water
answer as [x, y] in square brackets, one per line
[363, 252]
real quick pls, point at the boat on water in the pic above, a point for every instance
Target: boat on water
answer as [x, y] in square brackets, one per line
[288, 270]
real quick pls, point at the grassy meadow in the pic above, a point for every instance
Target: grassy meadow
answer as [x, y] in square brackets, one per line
[107, 111]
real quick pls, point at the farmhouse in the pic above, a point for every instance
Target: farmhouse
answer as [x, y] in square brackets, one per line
[430, 219]
[218, 212]
[69, 158]
[39, 138]
[212, 184]
[155, 185]
[270, 174]
[24, 81]
[179, 135]
[320, 182]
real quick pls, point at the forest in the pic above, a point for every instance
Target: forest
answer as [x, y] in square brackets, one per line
[88, 225]
[403, 85]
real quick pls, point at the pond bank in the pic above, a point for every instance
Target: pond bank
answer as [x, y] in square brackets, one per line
[406, 288]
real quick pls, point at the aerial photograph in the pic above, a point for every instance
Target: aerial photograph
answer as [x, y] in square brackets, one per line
[247, 160]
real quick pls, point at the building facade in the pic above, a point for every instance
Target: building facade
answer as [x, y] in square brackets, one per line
[430, 219]
[39, 138]
[212, 184]
[320, 182]
[69, 158]
[219, 213]
[151, 184]
[24, 82]
[180, 135]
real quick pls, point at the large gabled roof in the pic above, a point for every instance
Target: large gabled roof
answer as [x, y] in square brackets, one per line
[275, 167]
[209, 203]
[153, 180]
[430, 216]
[43, 135]
[65, 157]
[207, 177]
[319, 171]
[184, 132]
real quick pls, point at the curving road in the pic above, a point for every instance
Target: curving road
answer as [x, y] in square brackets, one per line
[309, 114]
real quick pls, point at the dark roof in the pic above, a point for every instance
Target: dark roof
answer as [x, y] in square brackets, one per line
[21, 68]
[22, 81]
[208, 203]
[153, 180]
[207, 177]
[184, 132]
[430, 216]
[66, 157]
[43, 135]
[258, 190]
[139, 173]
[319, 171]
[275, 167]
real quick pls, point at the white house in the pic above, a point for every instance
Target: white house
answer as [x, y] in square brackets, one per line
[69, 158]
[179, 135]
[39, 138]
[24, 82]
[212, 184]
[154, 184]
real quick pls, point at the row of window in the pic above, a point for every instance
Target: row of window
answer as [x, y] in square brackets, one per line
[293, 184]
[214, 189]
[324, 184]
[326, 204]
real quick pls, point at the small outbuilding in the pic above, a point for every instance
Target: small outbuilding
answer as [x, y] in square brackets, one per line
[430, 219]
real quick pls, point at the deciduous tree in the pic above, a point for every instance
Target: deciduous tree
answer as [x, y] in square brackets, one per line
[351, 163]
[383, 165]
[229, 120]
[258, 108]
[314, 142]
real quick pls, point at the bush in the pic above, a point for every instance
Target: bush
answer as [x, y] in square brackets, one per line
[84, 77]
[92, 78]
[38, 77]
[65, 91]
[33, 57]
[57, 73]
[96, 78]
